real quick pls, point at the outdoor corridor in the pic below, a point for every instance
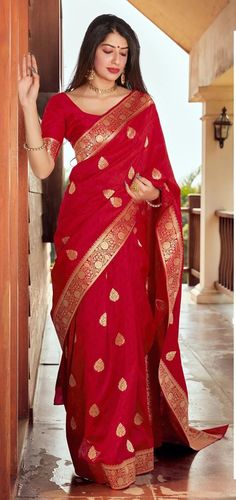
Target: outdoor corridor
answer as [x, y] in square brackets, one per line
[206, 337]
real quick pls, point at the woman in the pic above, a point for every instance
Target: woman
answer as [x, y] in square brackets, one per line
[117, 276]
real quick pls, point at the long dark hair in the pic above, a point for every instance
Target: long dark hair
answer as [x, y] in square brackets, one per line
[96, 33]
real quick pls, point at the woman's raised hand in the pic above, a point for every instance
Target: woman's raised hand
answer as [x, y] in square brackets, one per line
[28, 81]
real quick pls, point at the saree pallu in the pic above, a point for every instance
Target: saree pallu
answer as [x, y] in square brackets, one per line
[116, 300]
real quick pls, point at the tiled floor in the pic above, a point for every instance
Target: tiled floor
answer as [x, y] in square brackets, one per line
[207, 351]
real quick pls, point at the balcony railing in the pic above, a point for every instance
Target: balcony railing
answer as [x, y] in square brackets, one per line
[225, 281]
[192, 242]
[191, 216]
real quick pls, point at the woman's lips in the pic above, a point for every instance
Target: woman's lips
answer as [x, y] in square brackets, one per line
[113, 70]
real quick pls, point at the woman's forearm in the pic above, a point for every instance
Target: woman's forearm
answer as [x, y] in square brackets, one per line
[40, 161]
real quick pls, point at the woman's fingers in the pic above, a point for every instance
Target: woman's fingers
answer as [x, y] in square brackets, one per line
[130, 192]
[19, 73]
[144, 181]
[24, 65]
[29, 67]
[34, 65]
[142, 191]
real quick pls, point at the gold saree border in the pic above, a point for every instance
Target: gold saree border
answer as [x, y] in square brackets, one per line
[91, 266]
[122, 475]
[178, 402]
[108, 126]
[52, 146]
[170, 241]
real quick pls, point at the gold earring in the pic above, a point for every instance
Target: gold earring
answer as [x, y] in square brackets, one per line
[122, 78]
[90, 74]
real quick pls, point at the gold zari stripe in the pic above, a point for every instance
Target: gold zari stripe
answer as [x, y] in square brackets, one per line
[52, 146]
[178, 402]
[91, 266]
[170, 240]
[122, 475]
[107, 127]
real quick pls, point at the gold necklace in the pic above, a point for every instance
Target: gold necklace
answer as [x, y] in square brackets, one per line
[102, 91]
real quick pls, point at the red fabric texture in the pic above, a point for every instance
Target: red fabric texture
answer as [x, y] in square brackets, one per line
[120, 377]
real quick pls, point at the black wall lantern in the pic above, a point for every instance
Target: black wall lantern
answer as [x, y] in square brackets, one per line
[221, 127]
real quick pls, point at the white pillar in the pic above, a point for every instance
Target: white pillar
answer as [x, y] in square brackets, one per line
[216, 193]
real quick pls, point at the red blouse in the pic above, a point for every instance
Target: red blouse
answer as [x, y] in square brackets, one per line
[62, 118]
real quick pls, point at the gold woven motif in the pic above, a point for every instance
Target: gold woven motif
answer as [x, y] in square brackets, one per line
[99, 138]
[170, 355]
[131, 133]
[72, 381]
[92, 453]
[120, 430]
[131, 173]
[94, 410]
[65, 239]
[72, 254]
[138, 419]
[114, 295]
[120, 339]
[116, 201]
[99, 365]
[122, 386]
[102, 163]
[108, 193]
[73, 424]
[72, 188]
[103, 319]
[129, 446]
[156, 174]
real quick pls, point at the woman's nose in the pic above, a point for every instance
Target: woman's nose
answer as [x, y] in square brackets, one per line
[115, 57]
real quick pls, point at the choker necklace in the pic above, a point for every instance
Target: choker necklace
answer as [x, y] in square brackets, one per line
[102, 91]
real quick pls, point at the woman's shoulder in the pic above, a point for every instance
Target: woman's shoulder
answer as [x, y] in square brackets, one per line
[57, 99]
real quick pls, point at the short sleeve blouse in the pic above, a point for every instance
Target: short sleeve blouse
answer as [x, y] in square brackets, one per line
[62, 118]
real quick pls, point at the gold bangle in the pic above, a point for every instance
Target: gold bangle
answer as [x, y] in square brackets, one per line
[152, 204]
[35, 149]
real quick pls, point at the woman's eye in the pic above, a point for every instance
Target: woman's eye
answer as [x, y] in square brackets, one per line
[106, 52]
[124, 55]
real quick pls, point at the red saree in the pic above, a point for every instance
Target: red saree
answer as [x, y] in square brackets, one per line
[116, 293]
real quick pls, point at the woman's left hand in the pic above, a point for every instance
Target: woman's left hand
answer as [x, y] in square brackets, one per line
[142, 189]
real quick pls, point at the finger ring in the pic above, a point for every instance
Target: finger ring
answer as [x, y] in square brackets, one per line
[34, 70]
[134, 188]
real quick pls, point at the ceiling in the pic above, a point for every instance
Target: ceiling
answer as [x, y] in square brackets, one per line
[183, 21]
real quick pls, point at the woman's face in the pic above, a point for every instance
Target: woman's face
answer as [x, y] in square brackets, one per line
[111, 57]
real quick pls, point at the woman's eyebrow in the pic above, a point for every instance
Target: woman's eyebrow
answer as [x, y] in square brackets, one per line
[113, 46]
